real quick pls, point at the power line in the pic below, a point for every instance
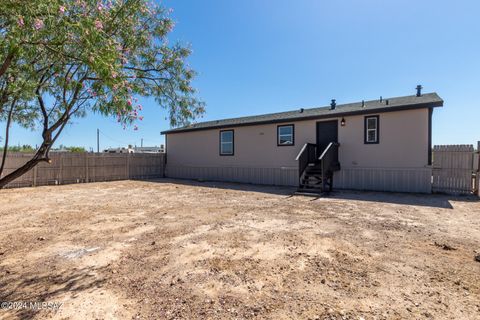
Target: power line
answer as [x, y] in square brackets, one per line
[124, 142]
[113, 139]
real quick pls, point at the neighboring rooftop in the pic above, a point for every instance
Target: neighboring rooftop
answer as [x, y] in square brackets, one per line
[428, 100]
[154, 149]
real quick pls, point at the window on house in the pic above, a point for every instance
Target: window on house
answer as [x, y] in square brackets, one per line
[285, 135]
[226, 143]
[371, 129]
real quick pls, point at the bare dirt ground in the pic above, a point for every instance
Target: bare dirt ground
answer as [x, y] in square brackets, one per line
[184, 250]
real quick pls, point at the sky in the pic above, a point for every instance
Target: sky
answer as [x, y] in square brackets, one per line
[264, 56]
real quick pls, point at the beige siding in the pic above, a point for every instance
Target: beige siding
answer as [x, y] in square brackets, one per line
[255, 146]
[403, 146]
[403, 141]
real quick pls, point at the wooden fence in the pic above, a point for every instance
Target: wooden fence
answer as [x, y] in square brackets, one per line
[476, 168]
[67, 168]
[454, 169]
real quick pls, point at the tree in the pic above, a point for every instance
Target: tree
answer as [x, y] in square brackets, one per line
[76, 149]
[24, 148]
[60, 59]
[70, 149]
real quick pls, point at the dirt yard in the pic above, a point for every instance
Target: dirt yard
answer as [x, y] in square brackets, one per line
[185, 250]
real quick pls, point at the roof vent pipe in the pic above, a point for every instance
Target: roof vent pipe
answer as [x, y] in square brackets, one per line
[419, 90]
[363, 103]
[381, 99]
[333, 104]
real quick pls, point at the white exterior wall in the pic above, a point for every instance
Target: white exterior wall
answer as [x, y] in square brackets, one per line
[398, 163]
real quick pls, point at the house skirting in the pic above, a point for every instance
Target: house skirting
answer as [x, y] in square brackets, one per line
[372, 179]
[286, 176]
[384, 179]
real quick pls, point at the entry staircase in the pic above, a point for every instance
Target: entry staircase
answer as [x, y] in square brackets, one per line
[316, 169]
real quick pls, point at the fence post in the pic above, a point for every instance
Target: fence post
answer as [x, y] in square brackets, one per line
[128, 166]
[35, 175]
[60, 176]
[86, 167]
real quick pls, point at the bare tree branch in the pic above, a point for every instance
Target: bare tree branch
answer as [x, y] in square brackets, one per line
[6, 63]
[7, 134]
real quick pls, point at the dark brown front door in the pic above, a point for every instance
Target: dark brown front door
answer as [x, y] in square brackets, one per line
[327, 131]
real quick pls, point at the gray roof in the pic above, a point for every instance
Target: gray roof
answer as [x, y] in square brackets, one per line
[428, 100]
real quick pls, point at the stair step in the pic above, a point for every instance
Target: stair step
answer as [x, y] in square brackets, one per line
[310, 187]
[312, 180]
[306, 187]
[308, 194]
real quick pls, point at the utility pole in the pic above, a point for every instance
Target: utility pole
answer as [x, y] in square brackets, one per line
[98, 140]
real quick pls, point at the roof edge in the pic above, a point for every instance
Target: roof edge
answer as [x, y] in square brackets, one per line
[314, 117]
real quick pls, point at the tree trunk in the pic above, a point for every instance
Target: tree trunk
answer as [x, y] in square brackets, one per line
[19, 172]
[6, 63]
[42, 153]
[7, 133]
[40, 156]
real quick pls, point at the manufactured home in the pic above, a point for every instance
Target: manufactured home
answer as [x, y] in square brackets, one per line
[382, 145]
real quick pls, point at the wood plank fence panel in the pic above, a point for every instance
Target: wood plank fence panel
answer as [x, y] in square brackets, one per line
[453, 169]
[67, 168]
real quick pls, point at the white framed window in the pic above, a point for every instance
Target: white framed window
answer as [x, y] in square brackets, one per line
[286, 135]
[226, 142]
[372, 132]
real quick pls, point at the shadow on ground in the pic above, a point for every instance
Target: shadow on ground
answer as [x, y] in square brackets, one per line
[425, 200]
[48, 287]
[277, 190]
